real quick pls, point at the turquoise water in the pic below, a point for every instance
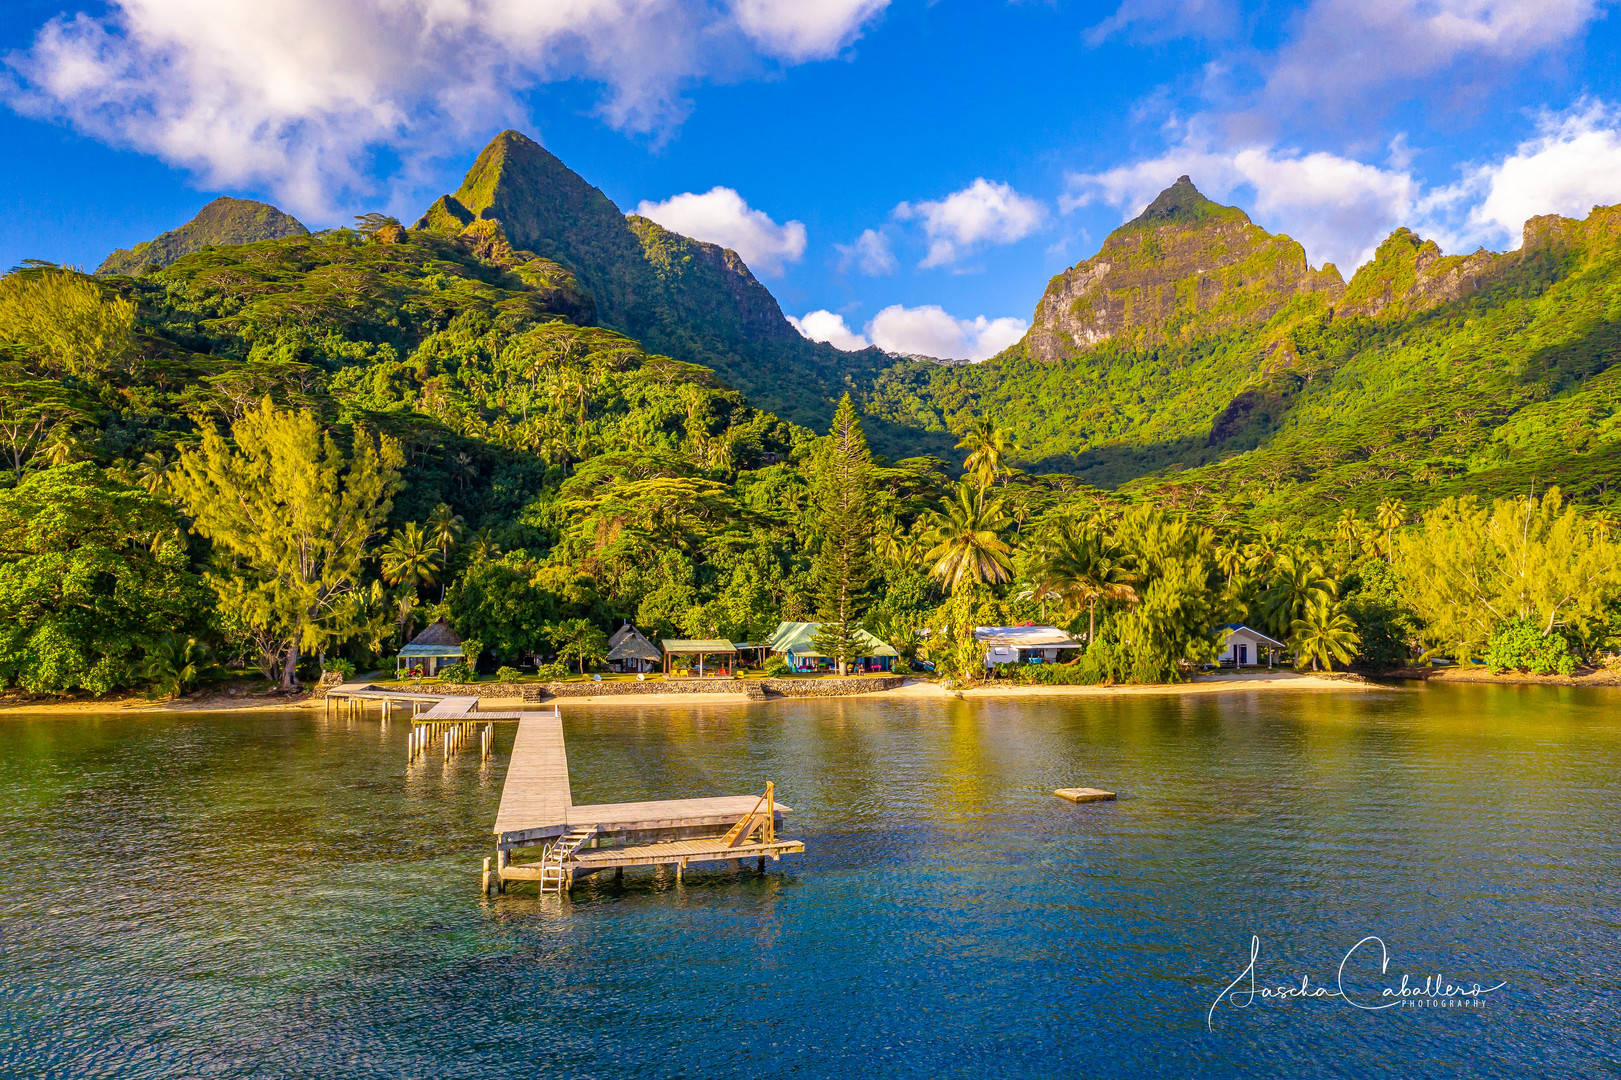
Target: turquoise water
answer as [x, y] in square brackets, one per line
[280, 896]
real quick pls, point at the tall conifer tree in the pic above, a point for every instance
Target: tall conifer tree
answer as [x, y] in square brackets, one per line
[844, 514]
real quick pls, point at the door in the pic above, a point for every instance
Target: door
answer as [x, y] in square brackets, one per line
[1243, 655]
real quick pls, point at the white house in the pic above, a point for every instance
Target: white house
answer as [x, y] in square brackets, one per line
[1023, 644]
[1243, 647]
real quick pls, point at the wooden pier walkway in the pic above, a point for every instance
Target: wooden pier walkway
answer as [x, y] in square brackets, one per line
[537, 805]
[537, 809]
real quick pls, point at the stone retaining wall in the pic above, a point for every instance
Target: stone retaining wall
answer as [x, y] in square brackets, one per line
[868, 684]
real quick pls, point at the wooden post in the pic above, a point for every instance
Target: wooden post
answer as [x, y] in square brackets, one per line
[762, 864]
[678, 868]
[485, 887]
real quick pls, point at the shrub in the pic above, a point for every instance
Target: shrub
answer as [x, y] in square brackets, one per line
[775, 667]
[341, 666]
[507, 674]
[553, 672]
[459, 672]
[1519, 646]
[1075, 673]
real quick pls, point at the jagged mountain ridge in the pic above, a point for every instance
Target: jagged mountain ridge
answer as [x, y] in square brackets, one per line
[224, 222]
[695, 301]
[1425, 374]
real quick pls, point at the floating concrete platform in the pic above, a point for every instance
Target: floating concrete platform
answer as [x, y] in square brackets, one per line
[1084, 794]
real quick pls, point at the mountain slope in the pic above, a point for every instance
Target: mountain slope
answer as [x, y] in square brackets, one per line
[223, 222]
[1198, 354]
[694, 301]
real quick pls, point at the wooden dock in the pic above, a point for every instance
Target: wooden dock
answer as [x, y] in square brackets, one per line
[537, 809]
[537, 805]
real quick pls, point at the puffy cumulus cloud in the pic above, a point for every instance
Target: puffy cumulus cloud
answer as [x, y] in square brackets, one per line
[1572, 165]
[1338, 208]
[1341, 48]
[982, 212]
[720, 216]
[300, 96]
[932, 331]
[829, 326]
[804, 29]
[871, 254]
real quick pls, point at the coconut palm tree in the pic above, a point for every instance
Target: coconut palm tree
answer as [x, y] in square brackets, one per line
[174, 665]
[1298, 581]
[1391, 515]
[988, 447]
[409, 557]
[1324, 632]
[1078, 566]
[968, 546]
[1349, 530]
[444, 529]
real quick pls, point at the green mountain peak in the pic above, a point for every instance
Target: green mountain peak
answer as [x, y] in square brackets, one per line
[222, 223]
[1181, 204]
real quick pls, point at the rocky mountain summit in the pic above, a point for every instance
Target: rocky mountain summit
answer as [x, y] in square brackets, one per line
[225, 221]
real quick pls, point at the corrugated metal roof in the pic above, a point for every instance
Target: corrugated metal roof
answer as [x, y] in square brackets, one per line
[1259, 637]
[799, 638]
[414, 649]
[1025, 637]
[698, 645]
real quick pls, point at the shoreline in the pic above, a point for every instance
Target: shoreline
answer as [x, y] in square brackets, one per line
[913, 688]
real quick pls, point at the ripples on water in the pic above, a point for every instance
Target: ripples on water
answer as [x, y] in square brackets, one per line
[280, 896]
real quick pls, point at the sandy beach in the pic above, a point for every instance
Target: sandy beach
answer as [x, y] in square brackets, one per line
[919, 688]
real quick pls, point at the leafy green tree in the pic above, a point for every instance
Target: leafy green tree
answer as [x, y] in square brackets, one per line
[296, 513]
[90, 570]
[1323, 632]
[968, 549]
[1470, 568]
[844, 512]
[580, 641]
[66, 322]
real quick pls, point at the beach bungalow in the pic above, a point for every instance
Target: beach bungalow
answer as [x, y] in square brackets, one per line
[430, 650]
[629, 651]
[718, 648]
[1243, 647]
[1023, 644]
[795, 642]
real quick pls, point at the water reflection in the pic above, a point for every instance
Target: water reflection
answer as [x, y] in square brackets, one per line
[281, 895]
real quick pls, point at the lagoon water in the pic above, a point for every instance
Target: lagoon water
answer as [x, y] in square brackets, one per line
[280, 896]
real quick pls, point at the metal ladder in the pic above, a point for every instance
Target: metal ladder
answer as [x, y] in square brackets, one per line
[553, 876]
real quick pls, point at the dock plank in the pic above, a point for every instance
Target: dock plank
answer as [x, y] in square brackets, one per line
[536, 792]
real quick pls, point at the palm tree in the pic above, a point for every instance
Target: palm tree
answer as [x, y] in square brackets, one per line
[988, 447]
[1299, 581]
[153, 471]
[1324, 632]
[1391, 515]
[485, 546]
[175, 664]
[444, 529]
[968, 545]
[1078, 567]
[1232, 557]
[1349, 530]
[409, 557]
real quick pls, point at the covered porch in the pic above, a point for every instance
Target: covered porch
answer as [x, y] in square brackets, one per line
[718, 649]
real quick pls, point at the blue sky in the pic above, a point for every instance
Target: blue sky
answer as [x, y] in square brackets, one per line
[894, 170]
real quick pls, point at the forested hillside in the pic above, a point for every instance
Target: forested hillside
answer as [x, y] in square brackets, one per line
[287, 456]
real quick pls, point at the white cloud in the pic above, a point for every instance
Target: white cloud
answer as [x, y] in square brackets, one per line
[982, 212]
[871, 254]
[720, 216]
[931, 331]
[830, 327]
[805, 29]
[1340, 208]
[1572, 165]
[1341, 47]
[300, 95]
